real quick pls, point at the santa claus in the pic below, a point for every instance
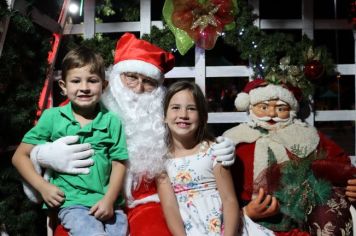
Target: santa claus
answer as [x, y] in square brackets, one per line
[289, 177]
[135, 93]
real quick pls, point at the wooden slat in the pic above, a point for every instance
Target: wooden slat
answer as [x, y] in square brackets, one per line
[38, 17]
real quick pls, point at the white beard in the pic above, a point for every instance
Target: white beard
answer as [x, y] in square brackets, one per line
[142, 116]
[263, 121]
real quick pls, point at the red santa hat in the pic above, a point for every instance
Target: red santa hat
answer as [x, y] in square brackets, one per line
[260, 90]
[140, 56]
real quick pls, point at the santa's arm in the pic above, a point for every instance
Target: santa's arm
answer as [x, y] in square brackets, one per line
[224, 150]
[332, 150]
[62, 156]
[340, 164]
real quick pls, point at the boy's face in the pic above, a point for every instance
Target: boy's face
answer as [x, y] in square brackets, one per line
[83, 88]
[138, 83]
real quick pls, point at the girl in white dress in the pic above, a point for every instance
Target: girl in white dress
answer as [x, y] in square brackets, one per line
[196, 192]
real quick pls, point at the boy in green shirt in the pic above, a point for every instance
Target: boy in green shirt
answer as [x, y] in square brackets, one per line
[87, 202]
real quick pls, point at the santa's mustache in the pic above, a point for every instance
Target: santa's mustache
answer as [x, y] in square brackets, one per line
[268, 118]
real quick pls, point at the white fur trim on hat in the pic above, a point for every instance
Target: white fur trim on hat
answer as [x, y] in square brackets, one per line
[272, 91]
[141, 67]
[242, 101]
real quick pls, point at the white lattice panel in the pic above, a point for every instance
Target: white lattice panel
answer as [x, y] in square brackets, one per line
[201, 72]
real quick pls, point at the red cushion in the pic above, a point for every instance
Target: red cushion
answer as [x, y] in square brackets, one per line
[147, 219]
[60, 231]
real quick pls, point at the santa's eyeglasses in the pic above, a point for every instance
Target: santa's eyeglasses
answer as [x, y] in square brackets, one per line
[132, 80]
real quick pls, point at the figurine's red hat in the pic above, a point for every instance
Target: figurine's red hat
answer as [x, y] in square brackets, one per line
[260, 90]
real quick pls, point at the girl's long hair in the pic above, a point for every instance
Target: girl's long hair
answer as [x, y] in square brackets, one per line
[202, 107]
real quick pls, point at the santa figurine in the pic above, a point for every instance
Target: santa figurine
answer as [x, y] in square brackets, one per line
[289, 177]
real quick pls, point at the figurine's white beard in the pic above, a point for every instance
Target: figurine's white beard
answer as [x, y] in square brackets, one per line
[263, 121]
[142, 115]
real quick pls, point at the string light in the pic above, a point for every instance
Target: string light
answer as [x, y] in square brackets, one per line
[241, 31]
[73, 8]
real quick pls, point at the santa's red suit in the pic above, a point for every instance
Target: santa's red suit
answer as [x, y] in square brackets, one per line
[252, 153]
[147, 218]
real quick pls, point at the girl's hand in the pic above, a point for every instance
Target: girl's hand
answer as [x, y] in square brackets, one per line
[262, 207]
[52, 195]
[102, 210]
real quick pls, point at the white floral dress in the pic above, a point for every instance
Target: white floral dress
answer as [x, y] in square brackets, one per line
[199, 202]
[195, 187]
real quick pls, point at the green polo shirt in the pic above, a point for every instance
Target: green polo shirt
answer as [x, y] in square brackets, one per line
[106, 136]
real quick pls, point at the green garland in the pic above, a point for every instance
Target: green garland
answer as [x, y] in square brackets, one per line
[300, 190]
[164, 38]
[298, 193]
[276, 57]
[22, 72]
[262, 51]
[18, 216]
[104, 45]
[4, 11]
[124, 11]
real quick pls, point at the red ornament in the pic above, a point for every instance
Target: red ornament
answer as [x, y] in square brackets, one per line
[203, 22]
[313, 70]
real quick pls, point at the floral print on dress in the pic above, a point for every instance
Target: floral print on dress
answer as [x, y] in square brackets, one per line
[184, 177]
[215, 225]
[195, 187]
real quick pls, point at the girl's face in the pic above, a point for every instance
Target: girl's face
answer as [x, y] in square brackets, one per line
[182, 115]
[83, 88]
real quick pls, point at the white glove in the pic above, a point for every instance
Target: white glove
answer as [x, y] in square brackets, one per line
[224, 150]
[30, 192]
[62, 157]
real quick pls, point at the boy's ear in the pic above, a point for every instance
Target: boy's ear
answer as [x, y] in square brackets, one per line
[105, 84]
[62, 84]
